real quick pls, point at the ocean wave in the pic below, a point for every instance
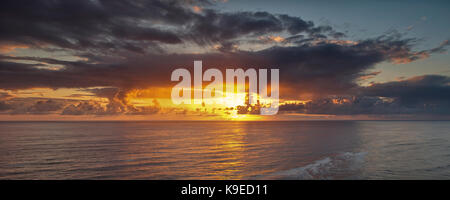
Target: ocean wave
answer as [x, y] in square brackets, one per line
[340, 166]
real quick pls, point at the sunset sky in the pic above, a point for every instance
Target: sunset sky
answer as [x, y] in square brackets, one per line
[112, 60]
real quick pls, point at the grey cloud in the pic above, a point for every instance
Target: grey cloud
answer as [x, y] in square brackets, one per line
[4, 106]
[325, 68]
[428, 94]
[420, 91]
[135, 25]
[84, 108]
[44, 107]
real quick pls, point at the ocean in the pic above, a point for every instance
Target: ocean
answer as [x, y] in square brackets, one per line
[225, 150]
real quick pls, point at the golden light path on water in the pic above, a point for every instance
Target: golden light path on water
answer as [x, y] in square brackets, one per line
[224, 150]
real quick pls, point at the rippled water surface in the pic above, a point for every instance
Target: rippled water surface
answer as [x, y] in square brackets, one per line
[225, 150]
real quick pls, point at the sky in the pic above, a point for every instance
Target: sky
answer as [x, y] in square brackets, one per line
[112, 60]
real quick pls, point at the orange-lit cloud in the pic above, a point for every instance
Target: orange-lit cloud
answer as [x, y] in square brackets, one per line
[197, 9]
[272, 38]
[411, 58]
[8, 48]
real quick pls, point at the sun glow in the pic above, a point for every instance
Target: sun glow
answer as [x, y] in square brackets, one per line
[222, 105]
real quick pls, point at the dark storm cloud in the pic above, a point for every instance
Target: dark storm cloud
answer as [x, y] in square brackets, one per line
[322, 69]
[220, 27]
[346, 105]
[428, 94]
[134, 25]
[88, 24]
[217, 27]
[420, 91]
[22, 76]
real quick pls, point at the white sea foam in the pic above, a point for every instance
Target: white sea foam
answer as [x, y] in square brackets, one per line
[342, 165]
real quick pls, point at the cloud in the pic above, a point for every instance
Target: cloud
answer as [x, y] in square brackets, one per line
[90, 24]
[44, 107]
[369, 75]
[84, 108]
[319, 68]
[271, 38]
[428, 94]
[420, 91]
[32, 105]
[40, 106]
[8, 48]
[4, 106]
[6, 95]
[137, 26]
[126, 45]
[197, 9]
